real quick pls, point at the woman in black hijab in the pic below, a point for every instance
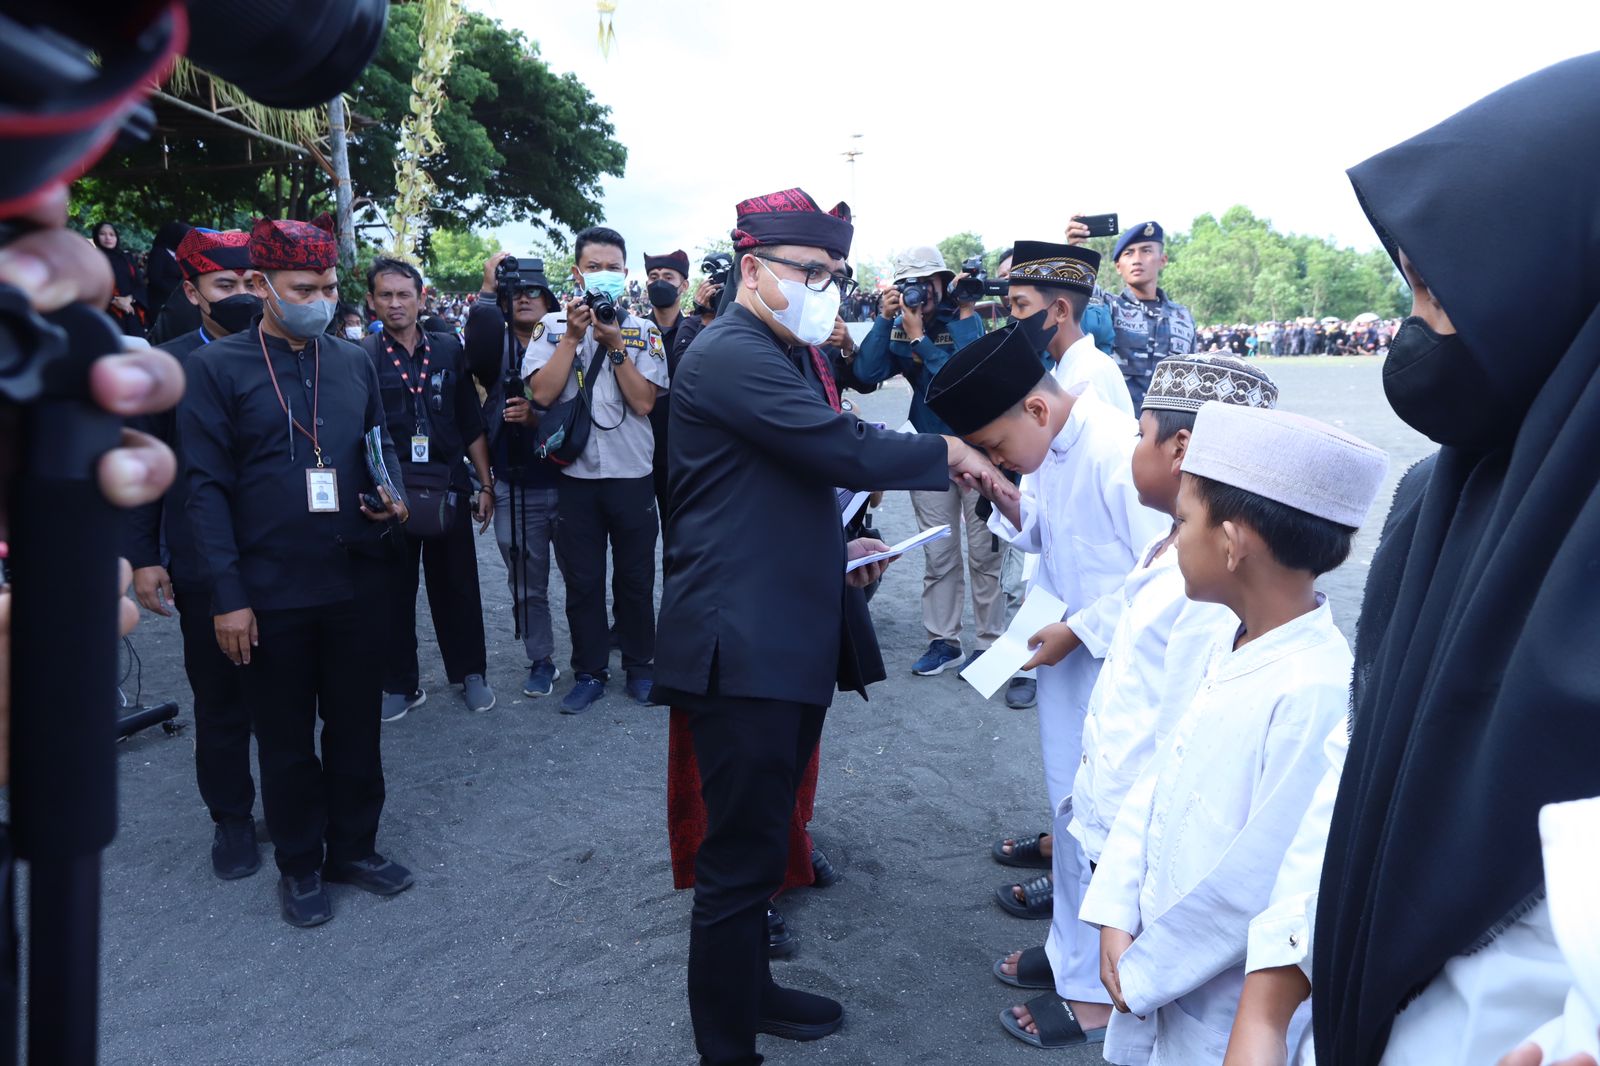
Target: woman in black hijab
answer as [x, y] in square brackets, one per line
[128, 295]
[1476, 697]
[162, 276]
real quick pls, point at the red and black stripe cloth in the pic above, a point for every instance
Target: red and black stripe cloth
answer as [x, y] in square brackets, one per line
[283, 244]
[205, 251]
[793, 217]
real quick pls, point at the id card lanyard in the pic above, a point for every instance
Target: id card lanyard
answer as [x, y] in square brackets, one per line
[322, 481]
[419, 440]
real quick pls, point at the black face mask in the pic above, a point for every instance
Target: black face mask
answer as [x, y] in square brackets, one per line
[1437, 388]
[235, 313]
[1035, 332]
[663, 294]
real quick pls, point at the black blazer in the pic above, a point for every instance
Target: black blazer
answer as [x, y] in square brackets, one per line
[754, 601]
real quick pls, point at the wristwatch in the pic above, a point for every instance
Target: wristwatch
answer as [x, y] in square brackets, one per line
[616, 355]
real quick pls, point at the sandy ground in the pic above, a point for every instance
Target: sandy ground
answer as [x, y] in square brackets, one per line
[544, 927]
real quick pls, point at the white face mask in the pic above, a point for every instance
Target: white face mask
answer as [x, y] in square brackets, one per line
[354, 333]
[810, 315]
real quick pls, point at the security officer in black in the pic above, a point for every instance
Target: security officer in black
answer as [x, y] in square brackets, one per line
[167, 572]
[291, 527]
[432, 413]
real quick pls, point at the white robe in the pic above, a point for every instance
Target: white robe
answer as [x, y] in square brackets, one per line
[1281, 934]
[1544, 971]
[1125, 718]
[1081, 514]
[1193, 853]
[1084, 364]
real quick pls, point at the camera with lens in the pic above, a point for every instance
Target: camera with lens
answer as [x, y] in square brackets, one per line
[914, 292]
[513, 275]
[603, 306]
[971, 288]
[716, 267]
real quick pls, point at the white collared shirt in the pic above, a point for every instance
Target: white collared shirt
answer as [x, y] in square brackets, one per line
[1082, 363]
[1196, 847]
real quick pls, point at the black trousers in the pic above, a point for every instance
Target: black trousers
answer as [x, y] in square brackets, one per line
[751, 755]
[450, 565]
[319, 662]
[589, 511]
[221, 722]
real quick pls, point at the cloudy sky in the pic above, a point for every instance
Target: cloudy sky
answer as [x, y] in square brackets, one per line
[1003, 118]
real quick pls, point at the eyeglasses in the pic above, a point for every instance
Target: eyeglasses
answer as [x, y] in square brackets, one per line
[818, 277]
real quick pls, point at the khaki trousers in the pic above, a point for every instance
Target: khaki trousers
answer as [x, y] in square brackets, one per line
[943, 583]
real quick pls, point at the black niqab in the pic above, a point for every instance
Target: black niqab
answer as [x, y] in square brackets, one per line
[1476, 696]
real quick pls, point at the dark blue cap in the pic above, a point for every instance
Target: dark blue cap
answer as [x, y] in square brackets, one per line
[1144, 231]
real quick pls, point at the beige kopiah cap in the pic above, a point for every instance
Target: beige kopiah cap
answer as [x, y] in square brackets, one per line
[1288, 458]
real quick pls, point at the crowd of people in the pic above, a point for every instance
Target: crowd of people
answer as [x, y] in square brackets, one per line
[1207, 734]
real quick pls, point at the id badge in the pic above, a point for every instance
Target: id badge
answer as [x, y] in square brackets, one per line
[322, 490]
[419, 449]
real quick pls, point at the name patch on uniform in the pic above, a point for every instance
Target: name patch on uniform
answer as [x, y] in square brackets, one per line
[898, 334]
[633, 337]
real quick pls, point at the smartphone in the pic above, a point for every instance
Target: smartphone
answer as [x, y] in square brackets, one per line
[1100, 225]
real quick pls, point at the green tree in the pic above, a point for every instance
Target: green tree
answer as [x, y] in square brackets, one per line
[455, 259]
[959, 247]
[868, 272]
[521, 144]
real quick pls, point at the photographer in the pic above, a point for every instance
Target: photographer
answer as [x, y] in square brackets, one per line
[918, 329]
[432, 411]
[707, 298]
[608, 491]
[668, 280]
[524, 485]
[274, 429]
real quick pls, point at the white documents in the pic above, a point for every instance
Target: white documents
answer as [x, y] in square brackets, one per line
[1005, 656]
[925, 537]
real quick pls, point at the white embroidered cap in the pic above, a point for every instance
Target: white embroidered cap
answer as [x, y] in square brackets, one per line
[1287, 458]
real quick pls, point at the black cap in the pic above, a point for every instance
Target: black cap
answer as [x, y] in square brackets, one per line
[1063, 266]
[984, 380]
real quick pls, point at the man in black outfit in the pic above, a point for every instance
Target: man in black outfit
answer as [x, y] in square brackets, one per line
[752, 629]
[668, 281]
[217, 277]
[432, 413]
[274, 428]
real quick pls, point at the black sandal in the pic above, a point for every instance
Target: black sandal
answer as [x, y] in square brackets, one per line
[1038, 897]
[1058, 1026]
[1033, 971]
[1024, 852]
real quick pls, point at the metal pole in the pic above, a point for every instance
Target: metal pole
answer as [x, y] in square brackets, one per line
[341, 187]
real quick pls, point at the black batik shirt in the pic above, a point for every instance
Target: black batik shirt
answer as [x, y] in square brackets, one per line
[446, 411]
[258, 543]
